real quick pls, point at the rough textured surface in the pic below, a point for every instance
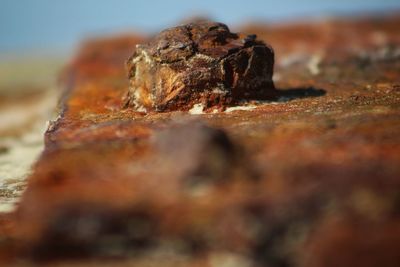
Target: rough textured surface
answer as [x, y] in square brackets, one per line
[309, 180]
[199, 63]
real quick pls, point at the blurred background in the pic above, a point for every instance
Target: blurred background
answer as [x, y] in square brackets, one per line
[39, 36]
[54, 26]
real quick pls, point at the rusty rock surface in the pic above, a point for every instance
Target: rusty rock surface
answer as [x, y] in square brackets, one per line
[311, 179]
[199, 63]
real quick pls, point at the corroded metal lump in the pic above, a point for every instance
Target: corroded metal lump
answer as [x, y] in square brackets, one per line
[201, 64]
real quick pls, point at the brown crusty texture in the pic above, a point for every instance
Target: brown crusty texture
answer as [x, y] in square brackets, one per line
[310, 180]
[199, 63]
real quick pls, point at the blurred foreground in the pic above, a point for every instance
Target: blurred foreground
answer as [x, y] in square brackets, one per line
[310, 180]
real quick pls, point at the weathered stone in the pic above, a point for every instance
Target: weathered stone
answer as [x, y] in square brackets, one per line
[199, 63]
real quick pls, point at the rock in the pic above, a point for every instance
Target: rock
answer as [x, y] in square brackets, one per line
[199, 63]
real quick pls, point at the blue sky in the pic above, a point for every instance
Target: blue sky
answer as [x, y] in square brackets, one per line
[60, 24]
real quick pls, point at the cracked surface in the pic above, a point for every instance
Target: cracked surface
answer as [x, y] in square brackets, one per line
[199, 63]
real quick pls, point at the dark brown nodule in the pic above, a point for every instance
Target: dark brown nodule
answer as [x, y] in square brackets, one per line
[199, 63]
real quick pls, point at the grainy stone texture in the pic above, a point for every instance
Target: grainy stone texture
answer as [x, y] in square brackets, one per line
[199, 63]
[311, 179]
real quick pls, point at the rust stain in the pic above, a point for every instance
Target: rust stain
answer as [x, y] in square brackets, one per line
[303, 180]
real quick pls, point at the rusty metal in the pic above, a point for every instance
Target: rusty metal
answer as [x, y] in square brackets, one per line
[311, 179]
[200, 63]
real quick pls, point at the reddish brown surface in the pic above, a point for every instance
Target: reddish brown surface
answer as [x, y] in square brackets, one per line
[199, 63]
[311, 180]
